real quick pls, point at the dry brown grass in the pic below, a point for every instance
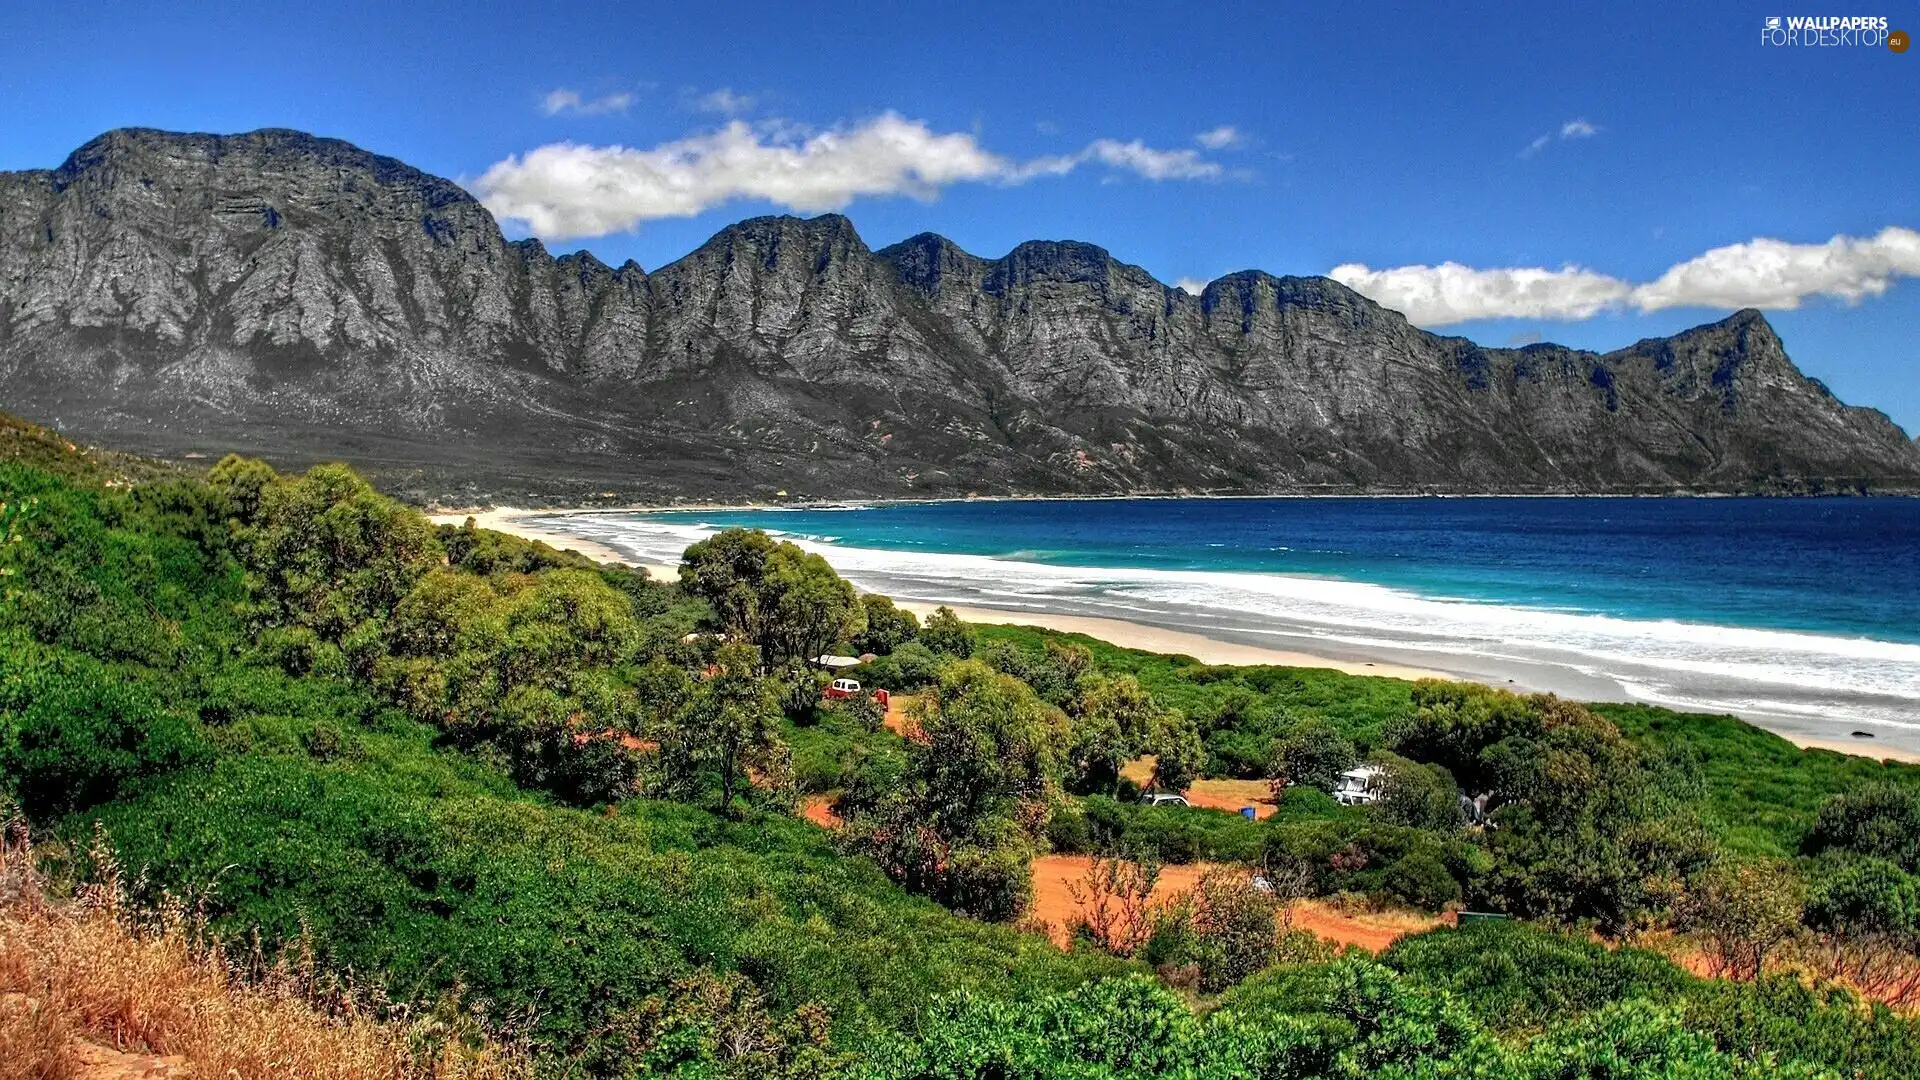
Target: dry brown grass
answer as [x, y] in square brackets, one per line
[87, 969]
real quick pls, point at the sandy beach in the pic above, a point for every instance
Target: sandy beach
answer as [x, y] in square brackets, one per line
[1175, 642]
[514, 522]
[1206, 648]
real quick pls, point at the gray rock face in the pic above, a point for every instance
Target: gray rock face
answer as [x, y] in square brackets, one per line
[301, 298]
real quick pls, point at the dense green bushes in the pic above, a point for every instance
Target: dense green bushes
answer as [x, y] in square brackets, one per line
[440, 755]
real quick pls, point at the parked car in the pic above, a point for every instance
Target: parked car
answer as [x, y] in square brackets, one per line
[1162, 798]
[1358, 787]
[846, 688]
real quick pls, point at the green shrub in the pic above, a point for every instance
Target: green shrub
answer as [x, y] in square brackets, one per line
[1420, 879]
[80, 736]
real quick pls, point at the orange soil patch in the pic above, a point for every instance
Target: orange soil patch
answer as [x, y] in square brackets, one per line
[819, 810]
[896, 720]
[1054, 906]
[1370, 930]
[1053, 903]
[1231, 795]
[1227, 795]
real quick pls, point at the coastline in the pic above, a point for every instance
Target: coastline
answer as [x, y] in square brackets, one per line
[1206, 647]
[512, 521]
[1154, 639]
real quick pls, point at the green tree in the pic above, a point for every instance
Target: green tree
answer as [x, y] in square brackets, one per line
[1234, 927]
[1179, 755]
[1866, 898]
[1312, 754]
[968, 811]
[1113, 722]
[327, 553]
[729, 570]
[944, 633]
[888, 626]
[82, 736]
[787, 602]
[1418, 796]
[730, 725]
[1744, 912]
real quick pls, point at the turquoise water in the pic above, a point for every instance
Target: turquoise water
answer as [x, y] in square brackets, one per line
[1843, 566]
[1797, 613]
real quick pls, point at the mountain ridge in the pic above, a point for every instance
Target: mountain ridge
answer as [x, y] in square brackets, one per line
[302, 298]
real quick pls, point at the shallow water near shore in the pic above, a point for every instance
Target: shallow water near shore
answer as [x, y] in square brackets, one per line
[1802, 615]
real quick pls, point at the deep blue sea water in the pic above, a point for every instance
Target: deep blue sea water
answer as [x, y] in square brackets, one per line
[1804, 613]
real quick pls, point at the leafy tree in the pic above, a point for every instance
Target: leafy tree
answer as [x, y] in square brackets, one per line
[81, 736]
[729, 570]
[888, 626]
[968, 811]
[1313, 754]
[909, 667]
[1866, 898]
[1421, 879]
[1744, 912]
[1865, 916]
[327, 553]
[241, 485]
[1233, 932]
[1179, 755]
[945, 634]
[776, 596]
[1114, 720]
[1418, 796]
[812, 607]
[729, 726]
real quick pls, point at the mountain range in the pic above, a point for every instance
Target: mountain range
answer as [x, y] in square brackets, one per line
[303, 299]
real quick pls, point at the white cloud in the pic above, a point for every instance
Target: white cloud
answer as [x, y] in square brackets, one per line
[725, 101]
[1220, 138]
[1451, 293]
[1762, 273]
[564, 100]
[1774, 274]
[565, 190]
[1572, 129]
[1193, 286]
[1138, 157]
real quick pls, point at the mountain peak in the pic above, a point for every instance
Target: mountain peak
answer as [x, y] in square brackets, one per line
[140, 150]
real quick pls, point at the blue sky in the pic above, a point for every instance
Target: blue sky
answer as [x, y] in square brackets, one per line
[1623, 139]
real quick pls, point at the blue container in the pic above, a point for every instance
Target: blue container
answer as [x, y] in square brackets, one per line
[1247, 812]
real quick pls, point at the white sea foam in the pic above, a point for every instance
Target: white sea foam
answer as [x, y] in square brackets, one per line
[1804, 681]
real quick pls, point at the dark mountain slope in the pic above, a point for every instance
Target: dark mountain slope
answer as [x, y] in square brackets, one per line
[301, 298]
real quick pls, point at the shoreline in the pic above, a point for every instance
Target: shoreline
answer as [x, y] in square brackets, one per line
[1205, 647]
[1154, 639]
[512, 521]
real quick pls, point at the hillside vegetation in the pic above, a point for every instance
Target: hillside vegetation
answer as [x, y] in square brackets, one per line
[558, 800]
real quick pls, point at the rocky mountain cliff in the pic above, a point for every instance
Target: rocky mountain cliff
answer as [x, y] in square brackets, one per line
[301, 298]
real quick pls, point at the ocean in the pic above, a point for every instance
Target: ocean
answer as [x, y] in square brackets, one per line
[1802, 615]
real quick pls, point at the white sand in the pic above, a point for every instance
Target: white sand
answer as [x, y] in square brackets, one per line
[1131, 635]
[513, 521]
